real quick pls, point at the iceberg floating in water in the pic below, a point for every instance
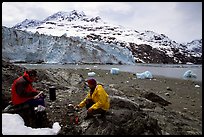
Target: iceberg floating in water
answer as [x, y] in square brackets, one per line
[144, 75]
[189, 74]
[114, 71]
[91, 74]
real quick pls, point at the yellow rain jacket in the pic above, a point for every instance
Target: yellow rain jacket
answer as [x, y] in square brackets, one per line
[99, 97]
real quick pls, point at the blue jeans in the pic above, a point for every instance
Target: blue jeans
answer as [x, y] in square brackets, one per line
[36, 102]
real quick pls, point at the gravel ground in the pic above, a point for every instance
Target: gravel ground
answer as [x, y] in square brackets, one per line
[184, 95]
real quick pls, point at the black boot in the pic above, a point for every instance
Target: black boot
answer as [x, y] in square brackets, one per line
[42, 120]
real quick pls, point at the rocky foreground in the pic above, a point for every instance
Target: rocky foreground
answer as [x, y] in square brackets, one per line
[158, 106]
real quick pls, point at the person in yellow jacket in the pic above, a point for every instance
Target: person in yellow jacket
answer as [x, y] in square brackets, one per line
[97, 100]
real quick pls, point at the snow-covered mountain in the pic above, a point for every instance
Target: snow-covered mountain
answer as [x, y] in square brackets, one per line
[110, 43]
[195, 46]
[28, 23]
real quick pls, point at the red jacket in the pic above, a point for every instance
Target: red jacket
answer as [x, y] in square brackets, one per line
[22, 90]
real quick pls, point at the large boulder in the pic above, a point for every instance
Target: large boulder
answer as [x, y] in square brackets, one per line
[124, 118]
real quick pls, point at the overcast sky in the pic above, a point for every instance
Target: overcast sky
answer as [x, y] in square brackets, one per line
[180, 21]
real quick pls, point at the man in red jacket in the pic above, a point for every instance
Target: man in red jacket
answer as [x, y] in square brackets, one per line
[22, 91]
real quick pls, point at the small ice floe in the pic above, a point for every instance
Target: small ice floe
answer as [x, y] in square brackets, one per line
[114, 71]
[144, 75]
[189, 74]
[91, 74]
[197, 86]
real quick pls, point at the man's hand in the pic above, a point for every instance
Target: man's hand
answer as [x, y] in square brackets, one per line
[77, 107]
[38, 95]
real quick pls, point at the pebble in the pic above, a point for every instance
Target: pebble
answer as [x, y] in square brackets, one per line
[167, 94]
[185, 109]
[168, 88]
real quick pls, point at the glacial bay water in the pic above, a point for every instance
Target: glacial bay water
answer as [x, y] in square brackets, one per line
[166, 70]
